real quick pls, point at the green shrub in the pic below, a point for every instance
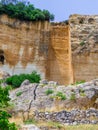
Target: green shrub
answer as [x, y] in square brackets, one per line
[79, 82]
[4, 116]
[82, 43]
[61, 95]
[4, 96]
[49, 91]
[4, 122]
[16, 80]
[82, 92]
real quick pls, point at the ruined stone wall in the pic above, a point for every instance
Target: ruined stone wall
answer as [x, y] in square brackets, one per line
[84, 43]
[24, 46]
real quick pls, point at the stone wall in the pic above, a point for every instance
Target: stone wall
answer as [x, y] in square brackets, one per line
[84, 43]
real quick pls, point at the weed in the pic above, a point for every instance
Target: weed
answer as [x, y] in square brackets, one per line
[18, 93]
[82, 92]
[79, 82]
[73, 97]
[49, 91]
[30, 121]
[82, 43]
[61, 96]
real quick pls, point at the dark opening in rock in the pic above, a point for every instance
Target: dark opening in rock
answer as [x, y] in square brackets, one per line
[81, 21]
[91, 20]
[2, 56]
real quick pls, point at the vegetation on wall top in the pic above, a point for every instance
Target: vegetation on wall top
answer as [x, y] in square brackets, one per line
[24, 11]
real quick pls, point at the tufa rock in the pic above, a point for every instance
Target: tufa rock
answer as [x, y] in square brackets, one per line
[25, 83]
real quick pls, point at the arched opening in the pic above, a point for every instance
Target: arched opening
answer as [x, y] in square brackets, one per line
[91, 20]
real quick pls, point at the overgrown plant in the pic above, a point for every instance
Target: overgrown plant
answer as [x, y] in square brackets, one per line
[49, 91]
[61, 95]
[16, 80]
[82, 92]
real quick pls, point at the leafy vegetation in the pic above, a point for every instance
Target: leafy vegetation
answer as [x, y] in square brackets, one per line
[82, 43]
[16, 80]
[4, 115]
[61, 96]
[4, 97]
[24, 11]
[79, 82]
[30, 121]
[82, 92]
[18, 93]
[49, 91]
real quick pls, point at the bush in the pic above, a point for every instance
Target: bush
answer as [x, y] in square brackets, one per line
[4, 96]
[49, 91]
[16, 80]
[24, 11]
[4, 122]
[4, 116]
[61, 95]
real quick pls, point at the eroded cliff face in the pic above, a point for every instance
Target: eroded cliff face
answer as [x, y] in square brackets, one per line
[84, 43]
[60, 66]
[28, 46]
[24, 45]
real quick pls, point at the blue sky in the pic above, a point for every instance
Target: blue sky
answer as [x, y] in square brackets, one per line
[63, 8]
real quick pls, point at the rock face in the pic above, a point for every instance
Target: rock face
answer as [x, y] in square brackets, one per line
[36, 98]
[80, 96]
[84, 43]
[23, 45]
[35, 46]
[3, 74]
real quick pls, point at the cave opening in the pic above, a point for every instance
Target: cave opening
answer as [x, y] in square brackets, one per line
[2, 58]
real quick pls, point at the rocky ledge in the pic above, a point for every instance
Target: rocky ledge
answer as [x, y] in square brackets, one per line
[72, 104]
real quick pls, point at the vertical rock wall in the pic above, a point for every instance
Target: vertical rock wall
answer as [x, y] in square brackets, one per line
[28, 46]
[24, 46]
[60, 68]
[84, 43]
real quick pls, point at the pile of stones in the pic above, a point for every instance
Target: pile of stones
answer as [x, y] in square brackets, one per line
[73, 117]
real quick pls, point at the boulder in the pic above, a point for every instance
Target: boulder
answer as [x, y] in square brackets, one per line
[25, 83]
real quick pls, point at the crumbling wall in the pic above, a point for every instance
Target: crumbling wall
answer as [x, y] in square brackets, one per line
[84, 43]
